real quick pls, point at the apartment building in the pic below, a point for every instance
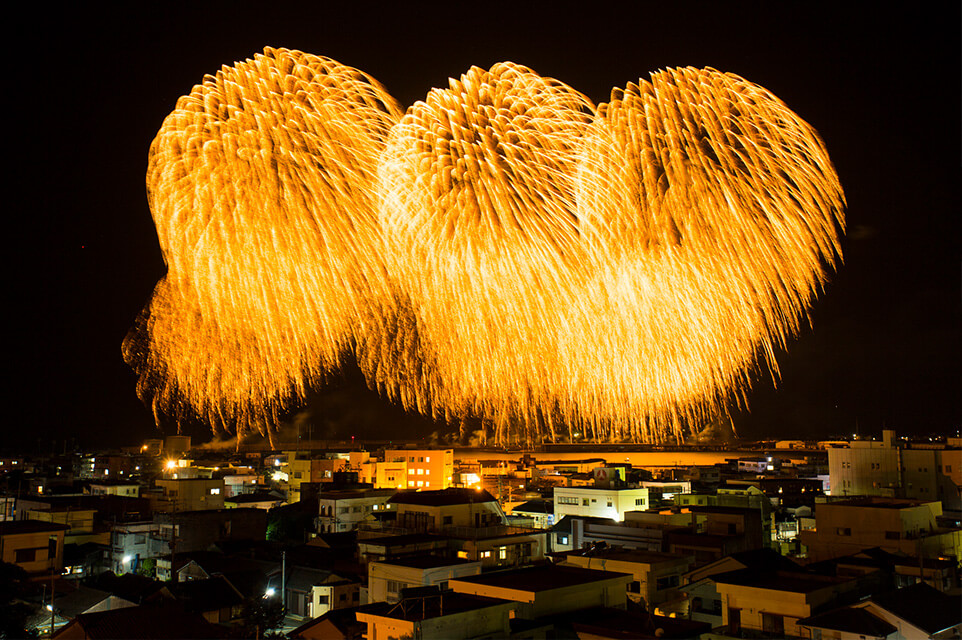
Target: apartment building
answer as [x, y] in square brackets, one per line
[429, 469]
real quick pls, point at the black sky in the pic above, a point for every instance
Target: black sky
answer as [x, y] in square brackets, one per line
[88, 89]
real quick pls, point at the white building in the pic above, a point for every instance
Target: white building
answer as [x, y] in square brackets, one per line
[386, 579]
[342, 510]
[599, 502]
[888, 469]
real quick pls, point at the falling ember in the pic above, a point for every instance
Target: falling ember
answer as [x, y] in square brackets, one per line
[505, 250]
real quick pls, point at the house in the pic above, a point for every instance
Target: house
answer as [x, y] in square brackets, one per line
[146, 621]
[430, 613]
[848, 622]
[773, 602]
[389, 548]
[656, 575]
[338, 624]
[432, 511]
[215, 598]
[130, 544]
[343, 509]
[540, 511]
[387, 579]
[265, 500]
[312, 592]
[549, 589]
[126, 488]
[35, 546]
[918, 611]
[704, 603]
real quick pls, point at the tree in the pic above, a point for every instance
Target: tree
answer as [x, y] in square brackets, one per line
[261, 615]
[13, 615]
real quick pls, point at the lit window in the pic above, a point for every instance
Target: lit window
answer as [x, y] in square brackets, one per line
[502, 553]
[420, 472]
[427, 472]
[427, 484]
[410, 483]
[420, 483]
[215, 492]
[427, 458]
[485, 554]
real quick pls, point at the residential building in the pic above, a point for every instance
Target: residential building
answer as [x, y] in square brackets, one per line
[435, 510]
[130, 545]
[387, 579]
[429, 469]
[773, 602]
[656, 575]
[35, 546]
[343, 509]
[429, 613]
[898, 526]
[312, 592]
[115, 488]
[892, 469]
[187, 494]
[197, 530]
[599, 502]
[541, 512]
[263, 500]
[549, 589]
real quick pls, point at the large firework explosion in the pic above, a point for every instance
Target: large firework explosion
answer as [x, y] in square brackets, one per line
[504, 250]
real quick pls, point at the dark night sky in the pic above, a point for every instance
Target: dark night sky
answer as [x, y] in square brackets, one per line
[88, 90]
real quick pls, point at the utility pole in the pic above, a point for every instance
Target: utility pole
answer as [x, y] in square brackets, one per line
[284, 580]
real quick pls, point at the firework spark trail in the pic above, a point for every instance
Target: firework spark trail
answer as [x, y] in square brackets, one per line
[477, 202]
[261, 187]
[713, 212]
[505, 251]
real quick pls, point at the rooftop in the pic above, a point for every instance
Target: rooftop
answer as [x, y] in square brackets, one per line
[541, 578]
[925, 607]
[425, 562]
[10, 528]
[443, 497]
[850, 620]
[791, 581]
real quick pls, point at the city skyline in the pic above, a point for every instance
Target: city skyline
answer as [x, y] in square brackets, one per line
[884, 348]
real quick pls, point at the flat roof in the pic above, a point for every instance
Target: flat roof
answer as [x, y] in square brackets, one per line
[435, 606]
[629, 555]
[791, 581]
[29, 526]
[443, 497]
[408, 538]
[424, 562]
[542, 578]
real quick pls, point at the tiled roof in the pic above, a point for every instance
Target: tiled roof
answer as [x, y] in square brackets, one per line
[850, 620]
[145, 622]
[923, 606]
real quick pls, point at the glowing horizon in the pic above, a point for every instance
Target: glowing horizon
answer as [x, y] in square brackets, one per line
[503, 249]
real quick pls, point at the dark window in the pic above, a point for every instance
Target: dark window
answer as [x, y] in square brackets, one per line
[635, 587]
[25, 555]
[892, 535]
[666, 582]
[773, 624]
